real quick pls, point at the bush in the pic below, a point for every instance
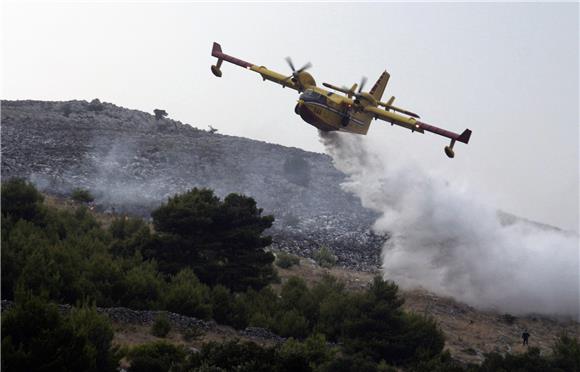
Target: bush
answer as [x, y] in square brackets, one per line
[36, 338]
[325, 258]
[187, 296]
[286, 260]
[98, 331]
[130, 236]
[156, 356]
[234, 356]
[222, 304]
[21, 200]
[96, 105]
[161, 326]
[377, 327]
[566, 353]
[508, 318]
[192, 333]
[82, 196]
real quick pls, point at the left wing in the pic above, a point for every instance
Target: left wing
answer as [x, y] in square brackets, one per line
[284, 80]
[417, 126]
[391, 117]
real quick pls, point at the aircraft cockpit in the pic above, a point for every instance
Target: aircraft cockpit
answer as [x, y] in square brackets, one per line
[311, 96]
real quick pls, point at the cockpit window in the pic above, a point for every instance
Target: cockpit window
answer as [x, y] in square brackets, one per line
[312, 96]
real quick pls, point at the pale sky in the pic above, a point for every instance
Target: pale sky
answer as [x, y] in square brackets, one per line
[509, 72]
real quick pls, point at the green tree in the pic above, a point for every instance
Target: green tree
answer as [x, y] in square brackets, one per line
[378, 327]
[187, 296]
[220, 240]
[21, 200]
[161, 326]
[36, 338]
[99, 333]
[130, 236]
[159, 356]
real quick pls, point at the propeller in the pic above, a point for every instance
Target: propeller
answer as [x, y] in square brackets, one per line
[295, 72]
[363, 81]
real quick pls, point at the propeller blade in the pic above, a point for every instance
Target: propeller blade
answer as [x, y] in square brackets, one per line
[363, 81]
[305, 67]
[289, 61]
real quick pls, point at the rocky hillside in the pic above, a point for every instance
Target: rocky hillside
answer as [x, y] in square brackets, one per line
[132, 162]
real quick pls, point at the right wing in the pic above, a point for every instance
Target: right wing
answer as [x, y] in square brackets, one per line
[284, 80]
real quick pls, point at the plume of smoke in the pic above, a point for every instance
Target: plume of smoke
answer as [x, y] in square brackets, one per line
[443, 239]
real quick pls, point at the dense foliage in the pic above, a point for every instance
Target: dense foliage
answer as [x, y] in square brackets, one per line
[35, 337]
[220, 240]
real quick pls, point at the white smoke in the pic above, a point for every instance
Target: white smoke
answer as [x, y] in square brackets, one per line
[444, 240]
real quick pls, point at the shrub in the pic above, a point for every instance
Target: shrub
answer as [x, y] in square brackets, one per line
[98, 331]
[234, 356]
[325, 258]
[161, 326]
[36, 338]
[130, 235]
[286, 260]
[96, 105]
[144, 287]
[377, 327]
[21, 200]
[187, 296]
[566, 353]
[82, 196]
[159, 114]
[156, 356]
[508, 318]
[192, 333]
[222, 304]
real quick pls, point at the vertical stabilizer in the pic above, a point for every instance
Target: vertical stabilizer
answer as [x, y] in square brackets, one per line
[380, 85]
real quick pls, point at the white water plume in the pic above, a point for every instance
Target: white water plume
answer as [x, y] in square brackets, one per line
[443, 239]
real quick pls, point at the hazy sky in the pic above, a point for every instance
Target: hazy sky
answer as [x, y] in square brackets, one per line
[507, 71]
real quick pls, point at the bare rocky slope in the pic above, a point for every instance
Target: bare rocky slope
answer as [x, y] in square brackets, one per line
[132, 162]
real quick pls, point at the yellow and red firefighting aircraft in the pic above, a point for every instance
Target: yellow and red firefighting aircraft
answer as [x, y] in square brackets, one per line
[352, 113]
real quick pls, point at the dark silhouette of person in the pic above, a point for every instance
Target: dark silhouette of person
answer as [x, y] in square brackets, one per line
[525, 337]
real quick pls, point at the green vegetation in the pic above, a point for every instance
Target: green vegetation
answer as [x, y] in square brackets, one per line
[286, 260]
[220, 240]
[35, 337]
[82, 196]
[156, 356]
[161, 327]
[205, 259]
[325, 258]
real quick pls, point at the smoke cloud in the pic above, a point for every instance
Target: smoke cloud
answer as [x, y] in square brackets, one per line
[444, 239]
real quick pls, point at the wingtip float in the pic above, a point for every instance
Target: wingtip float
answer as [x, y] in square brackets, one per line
[352, 112]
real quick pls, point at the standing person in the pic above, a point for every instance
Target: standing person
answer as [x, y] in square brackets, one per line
[525, 337]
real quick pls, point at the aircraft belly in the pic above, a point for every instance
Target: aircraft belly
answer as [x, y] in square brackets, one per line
[317, 116]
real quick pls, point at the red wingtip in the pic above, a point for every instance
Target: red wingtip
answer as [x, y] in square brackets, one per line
[216, 49]
[464, 137]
